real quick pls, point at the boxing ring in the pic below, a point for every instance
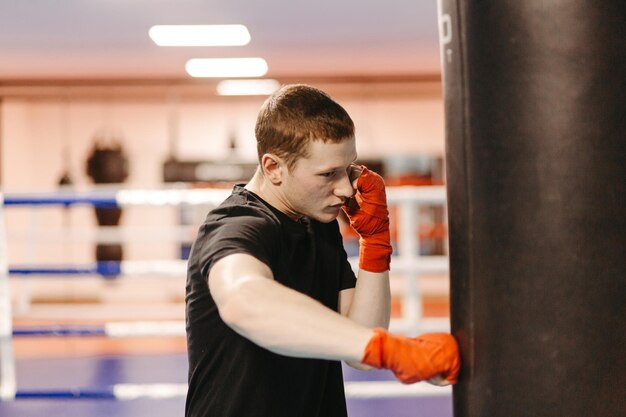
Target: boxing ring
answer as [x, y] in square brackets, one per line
[404, 202]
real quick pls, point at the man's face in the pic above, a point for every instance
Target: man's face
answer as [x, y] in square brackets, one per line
[319, 184]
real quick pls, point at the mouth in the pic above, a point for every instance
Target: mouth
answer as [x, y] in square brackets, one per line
[334, 209]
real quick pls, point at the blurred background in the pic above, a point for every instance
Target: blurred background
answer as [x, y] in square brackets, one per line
[83, 81]
[89, 101]
[86, 70]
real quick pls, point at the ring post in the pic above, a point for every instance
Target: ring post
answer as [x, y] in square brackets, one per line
[7, 358]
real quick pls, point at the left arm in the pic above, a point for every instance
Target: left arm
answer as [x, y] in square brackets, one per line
[369, 303]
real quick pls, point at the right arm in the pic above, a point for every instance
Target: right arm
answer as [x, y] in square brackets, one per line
[278, 318]
[290, 323]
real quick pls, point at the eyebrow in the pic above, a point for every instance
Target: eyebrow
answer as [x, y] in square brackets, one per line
[328, 169]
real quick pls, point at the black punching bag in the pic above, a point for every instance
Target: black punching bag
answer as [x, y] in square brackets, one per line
[535, 103]
[108, 165]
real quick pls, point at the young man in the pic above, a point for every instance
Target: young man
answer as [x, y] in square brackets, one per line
[272, 303]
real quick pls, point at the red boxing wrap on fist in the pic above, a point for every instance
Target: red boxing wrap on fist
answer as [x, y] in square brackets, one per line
[371, 221]
[414, 359]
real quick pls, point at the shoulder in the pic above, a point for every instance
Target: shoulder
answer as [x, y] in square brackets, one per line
[244, 202]
[243, 209]
[240, 224]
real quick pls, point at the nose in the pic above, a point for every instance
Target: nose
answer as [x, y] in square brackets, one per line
[343, 187]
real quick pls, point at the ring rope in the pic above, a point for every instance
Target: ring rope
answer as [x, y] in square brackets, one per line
[119, 198]
[111, 269]
[395, 195]
[114, 330]
[107, 269]
[124, 392]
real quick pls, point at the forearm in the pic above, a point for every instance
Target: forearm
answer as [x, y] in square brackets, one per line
[289, 323]
[371, 302]
[369, 216]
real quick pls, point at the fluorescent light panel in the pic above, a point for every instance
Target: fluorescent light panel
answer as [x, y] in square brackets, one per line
[200, 35]
[247, 87]
[226, 67]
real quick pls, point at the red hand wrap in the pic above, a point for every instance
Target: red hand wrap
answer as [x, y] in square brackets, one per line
[414, 359]
[371, 222]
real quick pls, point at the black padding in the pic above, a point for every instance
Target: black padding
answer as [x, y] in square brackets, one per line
[535, 103]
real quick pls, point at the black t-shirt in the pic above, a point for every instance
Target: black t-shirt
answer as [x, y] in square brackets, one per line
[228, 374]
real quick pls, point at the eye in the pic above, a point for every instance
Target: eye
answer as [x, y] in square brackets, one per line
[328, 174]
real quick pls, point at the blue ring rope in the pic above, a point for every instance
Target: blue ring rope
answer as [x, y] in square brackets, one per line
[105, 268]
[101, 394]
[98, 200]
[59, 331]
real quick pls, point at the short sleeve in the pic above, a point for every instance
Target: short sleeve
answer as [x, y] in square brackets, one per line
[228, 235]
[348, 278]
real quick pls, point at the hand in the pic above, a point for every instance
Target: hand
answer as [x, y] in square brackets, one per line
[367, 210]
[432, 356]
[369, 216]
[438, 381]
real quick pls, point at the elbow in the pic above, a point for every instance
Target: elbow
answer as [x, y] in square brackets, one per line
[233, 310]
[236, 309]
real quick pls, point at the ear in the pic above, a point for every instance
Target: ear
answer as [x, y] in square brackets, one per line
[272, 167]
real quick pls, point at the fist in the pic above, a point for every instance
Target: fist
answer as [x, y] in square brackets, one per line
[432, 357]
[367, 210]
[369, 216]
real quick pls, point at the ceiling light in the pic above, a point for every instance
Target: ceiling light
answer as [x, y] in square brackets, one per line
[226, 67]
[199, 35]
[247, 87]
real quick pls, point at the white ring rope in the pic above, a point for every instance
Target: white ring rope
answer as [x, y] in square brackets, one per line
[109, 234]
[145, 329]
[353, 390]
[393, 389]
[171, 197]
[160, 391]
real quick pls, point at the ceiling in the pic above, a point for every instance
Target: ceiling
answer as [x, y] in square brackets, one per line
[78, 40]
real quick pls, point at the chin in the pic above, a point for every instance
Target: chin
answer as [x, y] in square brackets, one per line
[327, 220]
[326, 217]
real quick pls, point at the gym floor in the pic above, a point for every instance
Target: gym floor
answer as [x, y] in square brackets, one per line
[98, 363]
[103, 371]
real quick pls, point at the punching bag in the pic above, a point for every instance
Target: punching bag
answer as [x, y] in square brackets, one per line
[108, 164]
[536, 174]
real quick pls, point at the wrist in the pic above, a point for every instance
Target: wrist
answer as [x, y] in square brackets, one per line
[373, 353]
[375, 252]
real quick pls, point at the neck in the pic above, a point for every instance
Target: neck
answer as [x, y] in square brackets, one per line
[270, 193]
[256, 183]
